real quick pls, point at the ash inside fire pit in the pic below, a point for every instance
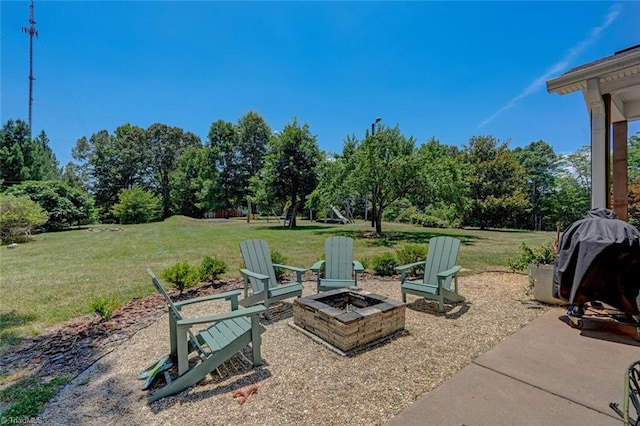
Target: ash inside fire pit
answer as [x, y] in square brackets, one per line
[349, 318]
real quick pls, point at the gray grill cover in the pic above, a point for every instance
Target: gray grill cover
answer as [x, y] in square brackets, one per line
[598, 258]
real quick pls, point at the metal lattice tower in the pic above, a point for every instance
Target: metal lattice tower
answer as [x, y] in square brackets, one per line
[33, 32]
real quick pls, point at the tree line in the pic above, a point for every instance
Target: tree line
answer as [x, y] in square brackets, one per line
[138, 175]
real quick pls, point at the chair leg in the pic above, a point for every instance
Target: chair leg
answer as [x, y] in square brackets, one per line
[440, 302]
[267, 316]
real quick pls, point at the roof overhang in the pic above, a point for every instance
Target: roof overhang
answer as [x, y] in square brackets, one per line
[617, 75]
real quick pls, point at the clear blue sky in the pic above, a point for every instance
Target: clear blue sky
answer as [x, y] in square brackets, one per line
[450, 70]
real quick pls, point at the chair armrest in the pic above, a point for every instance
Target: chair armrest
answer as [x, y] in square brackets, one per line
[298, 271]
[449, 272]
[404, 268]
[228, 295]
[253, 310]
[357, 267]
[254, 274]
[316, 266]
[409, 266]
[291, 268]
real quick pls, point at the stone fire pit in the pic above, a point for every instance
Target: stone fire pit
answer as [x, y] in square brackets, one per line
[348, 318]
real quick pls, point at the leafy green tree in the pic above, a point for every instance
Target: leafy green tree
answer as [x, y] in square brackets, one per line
[224, 150]
[385, 166]
[65, 206]
[495, 181]
[569, 202]
[331, 190]
[289, 172]
[166, 144]
[578, 164]
[193, 182]
[137, 206]
[633, 157]
[23, 158]
[442, 187]
[19, 215]
[634, 203]
[111, 163]
[540, 163]
[253, 136]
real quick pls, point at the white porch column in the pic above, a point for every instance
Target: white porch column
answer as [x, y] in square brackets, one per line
[598, 144]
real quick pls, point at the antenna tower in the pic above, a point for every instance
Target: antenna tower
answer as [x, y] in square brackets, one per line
[32, 31]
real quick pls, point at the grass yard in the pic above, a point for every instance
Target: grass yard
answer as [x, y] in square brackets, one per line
[58, 275]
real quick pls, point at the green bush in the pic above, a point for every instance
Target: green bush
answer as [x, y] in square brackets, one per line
[104, 307]
[137, 206]
[182, 275]
[66, 206]
[539, 255]
[211, 268]
[18, 217]
[410, 254]
[365, 262]
[383, 264]
[278, 258]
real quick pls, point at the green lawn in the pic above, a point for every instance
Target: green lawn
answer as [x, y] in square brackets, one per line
[57, 275]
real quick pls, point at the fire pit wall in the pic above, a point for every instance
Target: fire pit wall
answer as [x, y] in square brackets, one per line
[349, 318]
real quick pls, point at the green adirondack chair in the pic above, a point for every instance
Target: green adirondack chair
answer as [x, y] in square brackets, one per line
[259, 274]
[340, 270]
[439, 270]
[225, 335]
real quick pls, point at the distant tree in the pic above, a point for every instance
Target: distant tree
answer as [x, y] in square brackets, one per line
[19, 215]
[193, 183]
[383, 165]
[111, 163]
[253, 136]
[540, 163]
[441, 183]
[633, 161]
[137, 206]
[23, 158]
[166, 145]
[331, 191]
[226, 156]
[634, 203]
[66, 206]
[289, 172]
[578, 164]
[495, 181]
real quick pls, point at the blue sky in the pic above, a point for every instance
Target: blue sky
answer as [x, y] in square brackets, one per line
[449, 70]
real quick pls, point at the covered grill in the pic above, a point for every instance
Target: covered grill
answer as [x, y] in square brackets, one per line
[598, 260]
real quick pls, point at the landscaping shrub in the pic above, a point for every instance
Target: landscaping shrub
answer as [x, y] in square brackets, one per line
[18, 216]
[104, 307]
[538, 255]
[182, 275]
[383, 264]
[410, 254]
[137, 206]
[65, 206]
[278, 258]
[211, 268]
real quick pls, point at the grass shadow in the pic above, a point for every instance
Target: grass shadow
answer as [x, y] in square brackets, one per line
[392, 239]
[9, 320]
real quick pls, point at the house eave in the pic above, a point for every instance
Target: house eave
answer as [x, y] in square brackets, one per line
[615, 69]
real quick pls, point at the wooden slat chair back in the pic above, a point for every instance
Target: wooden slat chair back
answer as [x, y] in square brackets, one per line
[224, 336]
[440, 271]
[340, 270]
[259, 276]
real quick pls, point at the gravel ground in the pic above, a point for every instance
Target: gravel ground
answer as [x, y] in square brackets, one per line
[303, 382]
